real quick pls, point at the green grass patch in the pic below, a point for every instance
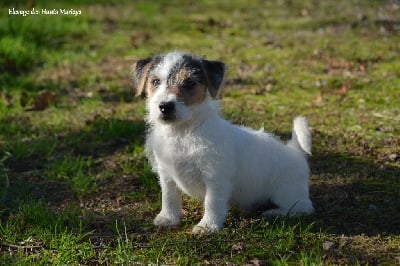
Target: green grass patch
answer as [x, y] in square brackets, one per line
[16, 55]
[76, 170]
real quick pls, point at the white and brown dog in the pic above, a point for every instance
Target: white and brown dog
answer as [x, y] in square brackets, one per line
[195, 151]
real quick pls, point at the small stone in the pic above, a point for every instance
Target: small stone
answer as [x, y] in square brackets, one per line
[328, 245]
[393, 157]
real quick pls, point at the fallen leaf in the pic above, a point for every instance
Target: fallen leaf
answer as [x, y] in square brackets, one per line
[319, 99]
[212, 22]
[304, 12]
[43, 100]
[268, 87]
[237, 246]
[340, 64]
[342, 91]
[262, 90]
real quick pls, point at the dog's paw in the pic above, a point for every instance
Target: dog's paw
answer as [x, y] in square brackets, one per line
[205, 229]
[163, 221]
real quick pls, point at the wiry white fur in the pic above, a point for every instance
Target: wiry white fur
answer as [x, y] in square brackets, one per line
[162, 95]
[301, 137]
[221, 164]
[164, 68]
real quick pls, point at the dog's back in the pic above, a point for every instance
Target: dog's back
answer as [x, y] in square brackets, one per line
[262, 162]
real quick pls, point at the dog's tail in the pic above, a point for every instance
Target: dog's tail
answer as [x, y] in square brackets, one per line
[301, 136]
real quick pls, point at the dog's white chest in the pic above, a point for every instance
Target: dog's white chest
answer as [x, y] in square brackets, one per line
[179, 158]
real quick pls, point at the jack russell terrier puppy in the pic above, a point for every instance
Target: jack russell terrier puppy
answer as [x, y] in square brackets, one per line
[195, 151]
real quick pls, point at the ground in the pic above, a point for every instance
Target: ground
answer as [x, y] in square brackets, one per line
[76, 187]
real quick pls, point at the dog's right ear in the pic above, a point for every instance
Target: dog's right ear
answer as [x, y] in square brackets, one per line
[215, 71]
[140, 71]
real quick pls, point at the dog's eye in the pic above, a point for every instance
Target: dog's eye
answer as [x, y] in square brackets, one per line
[188, 85]
[156, 82]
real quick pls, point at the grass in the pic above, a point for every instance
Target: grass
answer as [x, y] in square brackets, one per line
[80, 188]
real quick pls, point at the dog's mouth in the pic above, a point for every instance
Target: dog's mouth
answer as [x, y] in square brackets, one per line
[170, 112]
[168, 118]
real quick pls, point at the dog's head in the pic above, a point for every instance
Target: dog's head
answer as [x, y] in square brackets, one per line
[176, 84]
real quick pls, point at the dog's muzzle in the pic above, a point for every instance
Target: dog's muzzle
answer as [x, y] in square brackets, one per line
[167, 110]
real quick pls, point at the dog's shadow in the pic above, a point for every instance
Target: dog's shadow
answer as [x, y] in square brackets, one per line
[354, 195]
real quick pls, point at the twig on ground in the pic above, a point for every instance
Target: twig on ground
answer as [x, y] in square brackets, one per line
[20, 246]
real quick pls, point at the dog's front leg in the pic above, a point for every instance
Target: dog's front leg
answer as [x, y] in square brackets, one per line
[171, 210]
[215, 209]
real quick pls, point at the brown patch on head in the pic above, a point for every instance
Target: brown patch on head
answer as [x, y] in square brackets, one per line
[189, 77]
[141, 71]
[152, 85]
[189, 84]
[141, 84]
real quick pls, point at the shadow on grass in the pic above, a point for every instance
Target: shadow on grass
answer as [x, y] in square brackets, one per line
[100, 137]
[355, 196]
[352, 195]
[32, 159]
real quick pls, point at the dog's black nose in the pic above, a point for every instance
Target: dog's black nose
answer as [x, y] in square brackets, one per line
[167, 108]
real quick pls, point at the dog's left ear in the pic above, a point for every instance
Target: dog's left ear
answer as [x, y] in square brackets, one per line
[140, 70]
[215, 71]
